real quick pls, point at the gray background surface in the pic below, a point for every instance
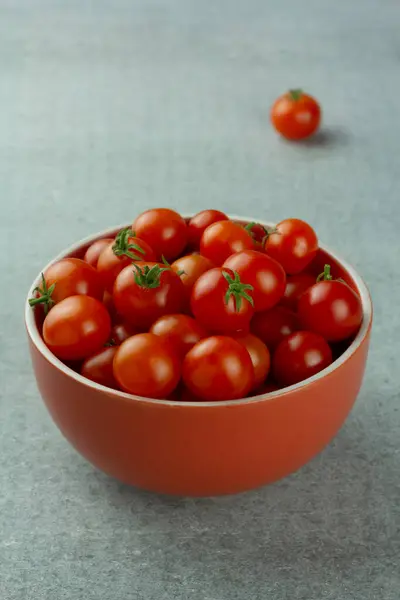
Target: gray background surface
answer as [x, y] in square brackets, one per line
[111, 106]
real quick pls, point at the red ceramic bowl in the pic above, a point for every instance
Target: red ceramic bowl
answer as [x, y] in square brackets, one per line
[207, 448]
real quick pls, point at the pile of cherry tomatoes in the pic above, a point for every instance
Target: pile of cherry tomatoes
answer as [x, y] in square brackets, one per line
[205, 309]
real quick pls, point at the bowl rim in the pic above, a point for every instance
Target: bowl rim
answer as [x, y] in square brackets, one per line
[38, 342]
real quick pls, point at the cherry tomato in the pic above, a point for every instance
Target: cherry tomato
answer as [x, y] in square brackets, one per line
[181, 331]
[259, 355]
[120, 253]
[199, 223]
[218, 368]
[300, 356]
[93, 252]
[190, 268]
[273, 325]
[296, 115]
[224, 238]
[146, 291]
[330, 308]
[258, 232]
[76, 327]
[221, 303]
[109, 304]
[165, 230]
[99, 367]
[263, 273]
[296, 285]
[147, 366]
[121, 332]
[293, 244]
[67, 277]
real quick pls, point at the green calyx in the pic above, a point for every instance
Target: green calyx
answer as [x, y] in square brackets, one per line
[295, 94]
[44, 296]
[148, 277]
[123, 247]
[267, 233]
[326, 274]
[238, 290]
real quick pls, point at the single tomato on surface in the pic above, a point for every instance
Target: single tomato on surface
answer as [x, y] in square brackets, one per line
[146, 291]
[218, 368]
[164, 230]
[93, 252]
[273, 325]
[221, 302]
[260, 357]
[123, 251]
[199, 223]
[181, 331]
[296, 285]
[224, 238]
[76, 327]
[300, 356]
[296, 115]
[330, 308]
[147, 366]
[64, 278]
[293, 243]
[99, 367]
[264, 274]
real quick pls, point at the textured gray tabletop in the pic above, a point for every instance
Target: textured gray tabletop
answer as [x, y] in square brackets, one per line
[111, 106]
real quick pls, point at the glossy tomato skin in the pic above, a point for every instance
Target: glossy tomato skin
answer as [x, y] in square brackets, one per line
[147, 366]
[99, 367]
[209, 306]
[300, 356]
[199, 223]
[218, 368]
[181, 331]
[296, 115]
[223, 238]
[109, 265]
[72, 277]
[262, 272]
[93, 252]
[273, 325]
[260, 357]
[294, 245]
[121, 332]
[190, 268]
[140, 306]
[332, 309]
[296, 285]
[76, 327]
[164, 230]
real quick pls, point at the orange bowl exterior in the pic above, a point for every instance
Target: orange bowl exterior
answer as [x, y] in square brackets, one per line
[202, 449]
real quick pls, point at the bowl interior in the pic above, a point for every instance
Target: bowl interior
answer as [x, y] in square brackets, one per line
[340, 269]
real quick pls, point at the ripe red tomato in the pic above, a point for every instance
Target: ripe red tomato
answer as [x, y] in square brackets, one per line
[165, 230]
[93, 252]
[67, 277]
[300, 356]
[146, 291]
[218, 368]
[181, 331]
[221, 303]
[190, 268]
[273, 325]
[120, 253]
[99, 367]
[199, 223]
[296, 115]
[293, 244]
[260, 357]
[330, 308]
[76, 327]
[121, 332]
[258, 232]
[224, 238]
[147, 366]
[296, 285]
[263, 273]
